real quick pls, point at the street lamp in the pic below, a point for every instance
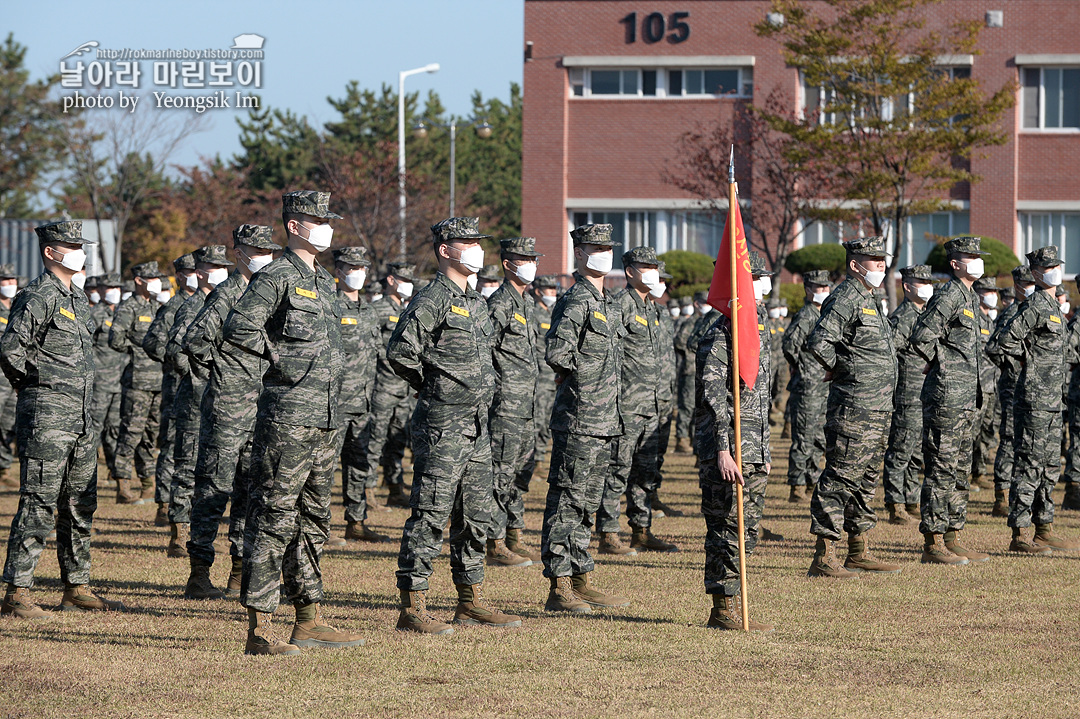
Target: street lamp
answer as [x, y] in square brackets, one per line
[433, 67]
[483, 131]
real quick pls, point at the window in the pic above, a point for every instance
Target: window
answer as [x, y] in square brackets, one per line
[1050, 98]
[735, 81]
[818, 232]
[1038, 229]
[924, 230]
[651, 82]
[815, 99]
[592, 82]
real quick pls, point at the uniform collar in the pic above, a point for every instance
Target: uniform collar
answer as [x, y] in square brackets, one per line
[299, 264]
[583, 280]
[56, 280]
[452, 288]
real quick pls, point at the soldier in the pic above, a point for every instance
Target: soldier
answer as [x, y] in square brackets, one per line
[46, 353]
[140, 385]
[1037, 340]
[488, 280]
[853, 342]
[983, 427]
[211, 270]
[442, 348]
[583, 347]
[288, 315]
[947, 336]
[684, 360]
[666, 394]
[1071, 474]
[808, 390]
[155, 342]
[9, 281]
[546, 292]
[109, 365]
[634, 459]
[780, 376]
[714, 425]
[903, 458]
[229, 405]
[513, 410]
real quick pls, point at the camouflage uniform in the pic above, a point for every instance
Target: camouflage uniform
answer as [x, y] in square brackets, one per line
[289, 315]
[982, 429]
[7, 392]
[668, 390]
[109, 366]
[545, 378]
[442, 349]
[808, 392]
[1071, 473]
[1003, 458]
[685, 360]
[47, 355]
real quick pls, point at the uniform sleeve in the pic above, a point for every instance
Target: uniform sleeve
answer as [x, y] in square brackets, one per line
[716, 386]
[119, 338]
[567, 322]
[156, 339]
[174, 346]
[202, 336]
[932, 323]
[1010, 340]
[405, 349]
[828, 332]
[245, 327]
[902, 326]
[500, 312]
[795, 340]
[27, 316]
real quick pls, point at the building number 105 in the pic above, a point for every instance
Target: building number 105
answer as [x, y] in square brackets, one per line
[654, 25]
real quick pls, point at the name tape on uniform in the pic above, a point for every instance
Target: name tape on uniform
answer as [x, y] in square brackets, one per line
[459, 310]
[969, 313]
[348, 320]
[145, 318]
[641, 320]
[519, 318]
[599, 316]
[3, 321]
[67, 313]
[392, 318]
[869, 311]
[984, 331]
[307, 293]
[1055, 318]
[545, 325]
[760, 327]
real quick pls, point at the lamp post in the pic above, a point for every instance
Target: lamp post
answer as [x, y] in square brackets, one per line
[483, 131]
[433, 67]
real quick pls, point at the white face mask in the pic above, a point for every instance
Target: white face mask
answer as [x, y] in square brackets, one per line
[95, 297]
[163, 297]
[992, 314]
[924, 292]
[687, 310]
[153, 286]
[1052, 276]
[658, 290]
[126, 295]
[1029, 290]
[548, 300]
[885, 306]
[376, 297]
[112, 295]
[192, 281]
[766, 285]
[774, 312]
[759, 289]
[819, 297]
[526, 272]
[355, 280]
[1066, 308]
[472, 258]
[600, 261]
[975, 268]
[675, 312]
[874, 279]
[783, 311]
[8, 290]
[216, 276]
[73, 260]
[650, 278]
[990, 300]
[488, 290]
[79, 279]
[405, 289]
[318, 237]
[470, 281]
[705, 309]
[254, 264]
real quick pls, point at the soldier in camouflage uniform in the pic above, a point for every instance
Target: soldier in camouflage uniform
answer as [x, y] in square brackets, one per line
[1036, 341]
[289, 316]
[46, 353]
[634, 459]
[718, 473]
[903, 457]
[854, 342]
[666, 394]
[1071, 474]
[8, 287]
[442, 348]
[545, 293]
[140, 385]
[513, 410]
[155, 342]
[983, 428]
[227, 424]
[808, 390]
[109, 365]
[583, 347]
[488, 280]
[684, 361]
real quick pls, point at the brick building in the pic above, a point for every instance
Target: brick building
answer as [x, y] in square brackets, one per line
[609, 86]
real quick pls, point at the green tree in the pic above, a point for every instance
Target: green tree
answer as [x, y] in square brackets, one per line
[690, 271]
[828, 256]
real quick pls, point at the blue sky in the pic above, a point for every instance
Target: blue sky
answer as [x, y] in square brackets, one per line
[312, 48]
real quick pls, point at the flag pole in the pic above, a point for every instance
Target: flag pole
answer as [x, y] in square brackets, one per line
[732, 200]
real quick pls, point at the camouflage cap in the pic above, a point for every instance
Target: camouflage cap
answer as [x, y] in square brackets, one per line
[524, 246]
[212, 255]
[546, 282]
[1023, 274]
[1006, 293]
[128, 286]
[686, 301]
[355, 256]
[701, 296]
[673, 303]
[964, 245]
[985, 284]
[110, 279]
[402, 270]
[458, 228]
[593, 235]
[258, 236]
[145, 270]
[758, 266]
[490, 273]
[184, 262]
[69, 231]
[819, 278]
[640, 255]
[664, 274]
[1044, 257]
[873, 246]
[917, 272]
[1061, 291]
[308, 202]
[7, 272]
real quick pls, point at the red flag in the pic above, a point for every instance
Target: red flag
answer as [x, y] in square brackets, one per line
[720, 293]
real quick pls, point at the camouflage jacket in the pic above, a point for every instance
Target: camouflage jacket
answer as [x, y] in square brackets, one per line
[684, 358]
[642, 344]
[156, 340]
[131, 322]
[1072, 393]
[714, 427]
[807, 375]
[583, 349]
[990, 372]
[4, 313]
[854, 341]
[387, 314]
[513, 352]
[665, 394]
[910, 365]
[289, 315]
[192, 384]
[442, 348]
[108, 363]
[47, 355]
[1038, 341]
[947, 336]
[361, 342]
[702, 324]
[545, 379]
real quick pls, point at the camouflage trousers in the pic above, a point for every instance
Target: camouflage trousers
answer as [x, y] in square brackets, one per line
[807, 437]
[632, 472]
[385, 438]
[105, 411]
[854, 448]
[288, 518]
[579, 465]
[138, 434]
[7, 396]
[667, 419]
[58, 473]
[166, 440]
[685, 388]
[185, 456]
[545, 400]
[720, 508]
[512, 461]
[1038, 461]
[221, 473]
[946, 469]
[1003, 460]
[1071, 473]
[982, 434]
[903, 457]
[452, 480]
[354, 475]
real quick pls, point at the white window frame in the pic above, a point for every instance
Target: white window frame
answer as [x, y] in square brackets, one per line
[909, 232]
[745, 74]
[581, 77]
[1056, 225]
[1042, 128]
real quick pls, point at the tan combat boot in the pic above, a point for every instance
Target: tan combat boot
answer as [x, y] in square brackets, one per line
[665, 509]
[147, 495]
[236, 576]
[309, 630]
[1072, 496]
[914, 511]
[19, 603]
[826, 564]
[1022, 546]
[642, 538]
[515, 545]
[499, 556]
[199, 585]
[471, 609]
[397, 497]
[898, 514]
[859, 559]
[360, 532]
[682, 446]
[1001, 503]
[726, 614]
[561, 598]
[124, 493]
[415, 617]
[79, 598]
[260, 637]
[372, 501]
[1045, 537]
[161, 518]
[610, 543]
[177, 541]
[935, 552]
[592, 597]
[952, 543]
[797, 495]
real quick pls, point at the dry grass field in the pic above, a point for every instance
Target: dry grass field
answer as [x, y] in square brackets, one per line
[995, 640]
